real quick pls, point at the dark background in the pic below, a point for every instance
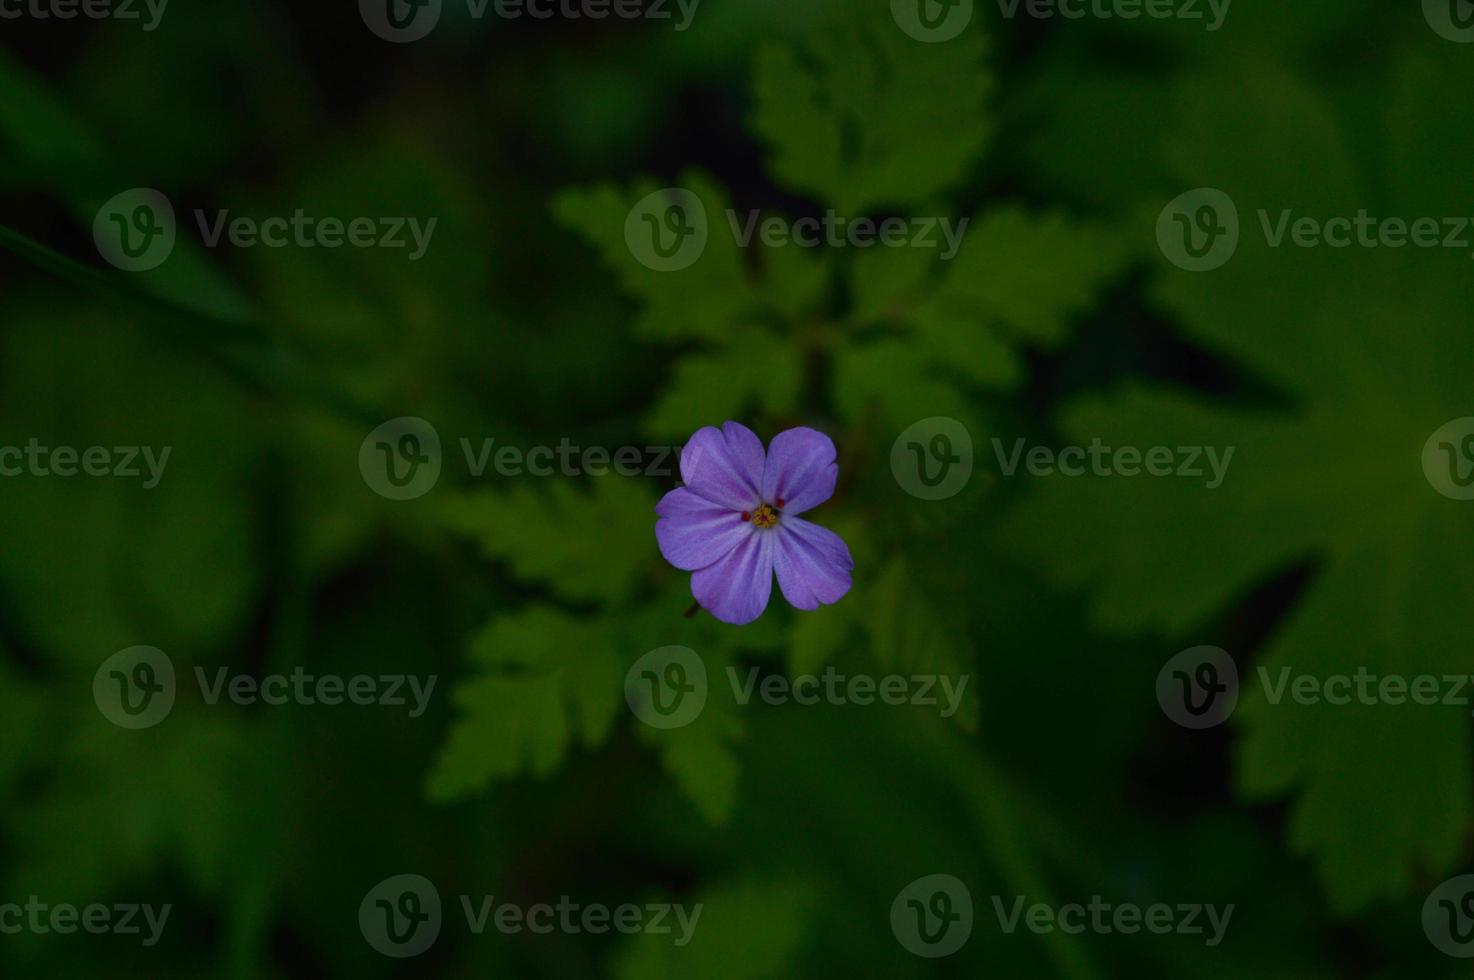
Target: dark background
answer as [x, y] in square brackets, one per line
[527, 321]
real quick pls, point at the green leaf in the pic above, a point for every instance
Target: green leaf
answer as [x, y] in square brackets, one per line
[911, 634]
[702, 756]
[867, 117]
[168, 795]
[1368, 346]
[1026, 275]
[795, 279]
[705, 299]
[816, 637]
[154, 541]
[886, 283]
[898, 381]
[764, 373]
[551, 682]
[52, 147]
[582, 545]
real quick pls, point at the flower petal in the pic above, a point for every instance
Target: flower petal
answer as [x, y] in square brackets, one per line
[800, 470]
[693, 532]
[725, 466]
[813, 564]
[736, 588]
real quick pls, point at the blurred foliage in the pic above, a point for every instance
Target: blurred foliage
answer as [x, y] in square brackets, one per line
[530, 322]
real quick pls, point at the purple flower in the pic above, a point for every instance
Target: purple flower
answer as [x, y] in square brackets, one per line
[735, 522]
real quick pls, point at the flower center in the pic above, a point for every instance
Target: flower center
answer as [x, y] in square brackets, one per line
[765, 516]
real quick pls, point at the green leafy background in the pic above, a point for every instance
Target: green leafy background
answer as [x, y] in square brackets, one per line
[529, 322]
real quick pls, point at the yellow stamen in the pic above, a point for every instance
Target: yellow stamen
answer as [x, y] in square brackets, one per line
[764, 516]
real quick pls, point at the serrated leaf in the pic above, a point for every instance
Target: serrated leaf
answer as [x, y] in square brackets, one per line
[795, 279]
[552, 682]
[1368, 346]
[702, 756]
[886, 283]
[581, 543]
[765, 373]
[1026, 275]
[706, 299]
[866, 117]
[897, 380]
